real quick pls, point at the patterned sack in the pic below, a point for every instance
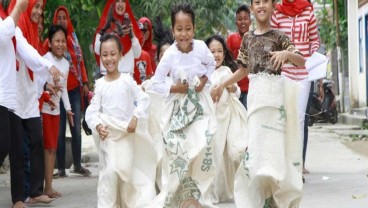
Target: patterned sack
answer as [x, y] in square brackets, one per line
[188, 125]
[271, 168]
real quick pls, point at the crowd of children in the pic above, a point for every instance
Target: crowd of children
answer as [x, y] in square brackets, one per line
[189, 136]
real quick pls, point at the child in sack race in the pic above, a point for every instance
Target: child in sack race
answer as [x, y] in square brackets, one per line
[271, 167]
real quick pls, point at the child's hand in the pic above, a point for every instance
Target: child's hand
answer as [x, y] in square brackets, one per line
[70, 115]
[180, 88]
[52, 104]
[231, 88]
[278, 59]
[102, 131]
[216, 93]
[202, 83]
[132, 124]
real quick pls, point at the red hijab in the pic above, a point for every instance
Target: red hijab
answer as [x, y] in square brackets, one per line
[72, 43]
[148, 46]
[125, 40]
[28, 27]
[293, 8]
[148, 43]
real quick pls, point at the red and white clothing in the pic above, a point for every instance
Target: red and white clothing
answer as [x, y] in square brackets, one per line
[142, 68]
[303, 32]
[233, 43]
[63, 65]
[296, 19]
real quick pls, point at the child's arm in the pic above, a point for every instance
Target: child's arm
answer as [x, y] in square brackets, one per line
[288, 52]
[66, 102]
[142, 109]
[280, 57]
[92, 114]
[236, 77]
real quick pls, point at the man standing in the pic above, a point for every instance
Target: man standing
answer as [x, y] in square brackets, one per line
[233, 42]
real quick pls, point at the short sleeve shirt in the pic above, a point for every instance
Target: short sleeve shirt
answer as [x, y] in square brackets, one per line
[254, 53]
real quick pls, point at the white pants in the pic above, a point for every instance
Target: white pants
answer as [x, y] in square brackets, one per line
[305, 85]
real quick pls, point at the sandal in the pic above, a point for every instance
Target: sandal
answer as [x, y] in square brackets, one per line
[82, 171]
[60, 174]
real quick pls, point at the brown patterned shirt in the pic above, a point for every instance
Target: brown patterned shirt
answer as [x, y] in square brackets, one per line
[254, 53]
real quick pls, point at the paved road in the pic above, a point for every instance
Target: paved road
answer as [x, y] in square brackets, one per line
[338, 178]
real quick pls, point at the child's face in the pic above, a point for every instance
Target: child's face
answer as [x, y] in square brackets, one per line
[183, 31]
[110, 55]
[243, 22]
[217, 51]
[120, 7]
[58, 44]
[36, 11]
[61, 18]
[262, 10]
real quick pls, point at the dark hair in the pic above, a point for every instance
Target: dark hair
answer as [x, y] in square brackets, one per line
[186, 8]
[251, 1]
[243, 8]
[54, 29]
[111, 19]
[111, 36]
[162, 35]
[228, 60]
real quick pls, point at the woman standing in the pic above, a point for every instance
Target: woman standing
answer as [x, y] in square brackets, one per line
[27, 114]
[118, 17]
[296, 19]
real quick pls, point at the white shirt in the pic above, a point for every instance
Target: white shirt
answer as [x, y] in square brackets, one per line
[126, 63]
[117, 98]
[198, 62]
[8, 87]
[27, 98]
[63, 65]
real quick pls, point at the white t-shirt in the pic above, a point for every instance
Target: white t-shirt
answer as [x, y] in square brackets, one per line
[121, 98]
[63, 65]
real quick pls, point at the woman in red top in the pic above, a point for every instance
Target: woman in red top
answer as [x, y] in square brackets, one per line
[77, 86]
[148, 46]
[113, 19]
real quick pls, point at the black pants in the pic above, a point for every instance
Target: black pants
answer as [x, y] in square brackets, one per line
[4, 133]
[32, 127]
[306, 121]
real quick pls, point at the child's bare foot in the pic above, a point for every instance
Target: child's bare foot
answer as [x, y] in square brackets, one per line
[52, 193]
[40, 199]
[18, 204]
